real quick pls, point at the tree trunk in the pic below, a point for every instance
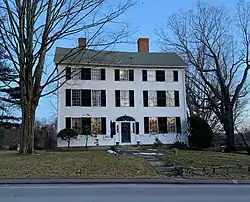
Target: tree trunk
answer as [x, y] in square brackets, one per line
[68, 144]
[27, 130]
[229, 129]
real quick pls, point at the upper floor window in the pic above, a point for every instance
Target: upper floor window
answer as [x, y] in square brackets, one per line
[154, 98]
[85, 74]
[124, 75]
[124, 98]
[175, 76]
[85, 97]
[160, 75]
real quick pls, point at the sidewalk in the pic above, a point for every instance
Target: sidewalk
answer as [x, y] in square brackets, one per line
[120, 181]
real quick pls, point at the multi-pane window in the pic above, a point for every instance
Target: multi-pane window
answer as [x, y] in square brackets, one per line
[152, 98]
[169, 76]
[161, 125]
[96, 98]
[95, 74]
[76, 74]
[85, 98]
[171, 124]
[151, 75]
[124, 75]
[77, 125]
[170, 101]
[124, 98]
[76, 97]
[96, 125]
[87, 125]
[153, 125]
[160, 75]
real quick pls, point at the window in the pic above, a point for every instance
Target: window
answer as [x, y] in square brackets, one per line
[95, 74]
[162, 124]
[175, 75]
[153, 125]
[124, 75]
[76, 97]
[161, 98]
[170, 101]
[77, 125]
[150, 75]
[160, 75]
[171, 124]
[96, 125]
[169, 76]
[86, 98]
[124, 98]
[96, 98]
[68, 73]
[86, 74]
[76, 73]
[152, 98]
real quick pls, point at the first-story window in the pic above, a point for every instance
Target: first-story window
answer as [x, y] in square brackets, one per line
[161, 125]
[153, 125]
[77, 125]
[96, 125]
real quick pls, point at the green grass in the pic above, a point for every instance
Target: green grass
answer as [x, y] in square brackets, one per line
[86, 164]
[199, 159]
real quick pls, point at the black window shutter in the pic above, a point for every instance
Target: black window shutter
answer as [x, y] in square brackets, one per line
[103, 126]
[68, 73]
[131, 98]
[103, 98]
[146, 125]
[131, 75]
[68, 97]
[178, 124]
[113, 128]
[176, 99]
[137, 129]
[144, 75]
[145, 98]
[86, 125]
[83, 98]
[88, 98]
[67, 122]
[86, 74]
[117, 98]
[117, 75]
[103, 74]
[175, 72]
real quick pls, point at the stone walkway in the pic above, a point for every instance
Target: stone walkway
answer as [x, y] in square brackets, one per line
[152, 157]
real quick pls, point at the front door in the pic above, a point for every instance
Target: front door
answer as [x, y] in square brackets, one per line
[125, 132]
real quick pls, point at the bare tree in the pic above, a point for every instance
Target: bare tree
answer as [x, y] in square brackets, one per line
[206, 38]
[30, 28]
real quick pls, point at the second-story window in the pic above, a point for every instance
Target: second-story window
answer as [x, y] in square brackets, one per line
[93, 74]
[160, 75]
[124, 98]
[124, 75]
[76, 97]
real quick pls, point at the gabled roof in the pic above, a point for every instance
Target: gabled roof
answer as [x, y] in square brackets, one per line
[78, 56]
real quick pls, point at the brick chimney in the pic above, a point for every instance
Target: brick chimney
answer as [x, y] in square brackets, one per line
[82, 43]
[143, 45]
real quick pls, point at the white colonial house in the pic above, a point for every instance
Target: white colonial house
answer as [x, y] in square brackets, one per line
[124, 98]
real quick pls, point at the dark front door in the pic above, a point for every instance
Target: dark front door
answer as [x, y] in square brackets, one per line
[125, 130]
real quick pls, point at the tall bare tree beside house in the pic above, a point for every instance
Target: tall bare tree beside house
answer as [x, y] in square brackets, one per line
[216, 45]
[30, 28]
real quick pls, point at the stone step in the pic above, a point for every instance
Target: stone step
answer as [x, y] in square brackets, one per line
[157, 163]
[165, 169]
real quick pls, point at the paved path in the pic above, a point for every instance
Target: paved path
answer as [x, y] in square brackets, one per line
[124, 193]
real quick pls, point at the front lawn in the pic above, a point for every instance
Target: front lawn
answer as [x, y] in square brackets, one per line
[86, 164]
[207, 164]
